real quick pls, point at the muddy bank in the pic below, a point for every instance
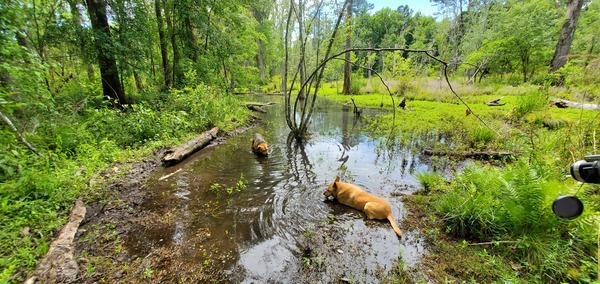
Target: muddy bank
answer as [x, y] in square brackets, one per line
[110, 213]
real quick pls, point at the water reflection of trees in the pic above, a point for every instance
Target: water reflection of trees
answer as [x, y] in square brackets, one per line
[298, 161]
[349, 137]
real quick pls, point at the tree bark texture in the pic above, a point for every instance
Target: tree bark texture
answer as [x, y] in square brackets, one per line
[111, 85]
[260, 61]
[559, 59]
[302, 64]
[170, 15]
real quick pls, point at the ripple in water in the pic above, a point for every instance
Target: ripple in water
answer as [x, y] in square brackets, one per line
[265, 232]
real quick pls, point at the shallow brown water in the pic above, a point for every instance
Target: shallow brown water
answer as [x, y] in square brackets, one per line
[279, 228]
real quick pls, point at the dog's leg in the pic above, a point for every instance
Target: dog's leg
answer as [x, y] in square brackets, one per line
[374, 210]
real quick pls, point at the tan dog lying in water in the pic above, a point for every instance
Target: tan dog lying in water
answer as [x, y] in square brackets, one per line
[353, 196]
[259, 145]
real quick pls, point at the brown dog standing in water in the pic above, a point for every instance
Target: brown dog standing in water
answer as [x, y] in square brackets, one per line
[353, 196]
[259, 145]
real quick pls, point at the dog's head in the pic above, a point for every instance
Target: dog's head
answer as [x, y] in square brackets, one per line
[263, 149]
[331, 188]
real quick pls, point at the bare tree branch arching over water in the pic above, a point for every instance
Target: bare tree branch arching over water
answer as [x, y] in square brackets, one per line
[313, 81]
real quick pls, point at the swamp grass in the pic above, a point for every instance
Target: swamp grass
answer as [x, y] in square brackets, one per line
[506, 211]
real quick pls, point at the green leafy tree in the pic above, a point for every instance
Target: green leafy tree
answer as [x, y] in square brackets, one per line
[521, 36]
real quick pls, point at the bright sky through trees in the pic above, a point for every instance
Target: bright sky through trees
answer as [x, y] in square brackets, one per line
[423, 6]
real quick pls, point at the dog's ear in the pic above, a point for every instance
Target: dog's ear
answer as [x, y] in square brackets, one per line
[337, 179]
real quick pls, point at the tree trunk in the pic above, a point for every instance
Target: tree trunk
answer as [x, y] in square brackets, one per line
[302, 65]
[139, 84]
[191, 40]
[171, 26]
[559, 59]
[163, 44]
[369, 64]
[260, 60]
[347, 70]
[590, 52]
[111, 85]
[524, 65]
[260, 13]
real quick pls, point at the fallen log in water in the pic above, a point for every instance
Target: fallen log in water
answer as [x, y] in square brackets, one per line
[478, 155]
[258, 107]
[177, 155]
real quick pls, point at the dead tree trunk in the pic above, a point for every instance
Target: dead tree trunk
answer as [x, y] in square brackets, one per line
[559, 59]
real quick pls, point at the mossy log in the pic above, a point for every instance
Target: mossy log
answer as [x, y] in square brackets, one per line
[478, 155]
[177, 155]
[258, 107]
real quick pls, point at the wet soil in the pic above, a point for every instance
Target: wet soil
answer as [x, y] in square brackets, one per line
[228, 216]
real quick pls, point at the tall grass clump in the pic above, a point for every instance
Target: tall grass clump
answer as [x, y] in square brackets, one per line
[513, 206]
[480, 136]
[528, 103]
[430, 180]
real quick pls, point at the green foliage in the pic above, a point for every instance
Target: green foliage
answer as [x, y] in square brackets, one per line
[491, 204]
[218, 188]
[528, 103]
[481, 136]
[430, 180]
[37, 192]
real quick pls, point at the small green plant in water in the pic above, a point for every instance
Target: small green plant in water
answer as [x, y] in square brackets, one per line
[217, 188]
[306, 262]
[481, 136]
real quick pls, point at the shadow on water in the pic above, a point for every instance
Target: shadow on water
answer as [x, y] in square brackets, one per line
[279, 228]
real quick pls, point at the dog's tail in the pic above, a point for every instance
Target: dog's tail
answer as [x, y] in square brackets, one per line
[394, 225]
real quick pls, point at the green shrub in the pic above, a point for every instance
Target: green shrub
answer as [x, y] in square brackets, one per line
[430, 180]
[480, 136]
[514, 204]
[528, 103]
